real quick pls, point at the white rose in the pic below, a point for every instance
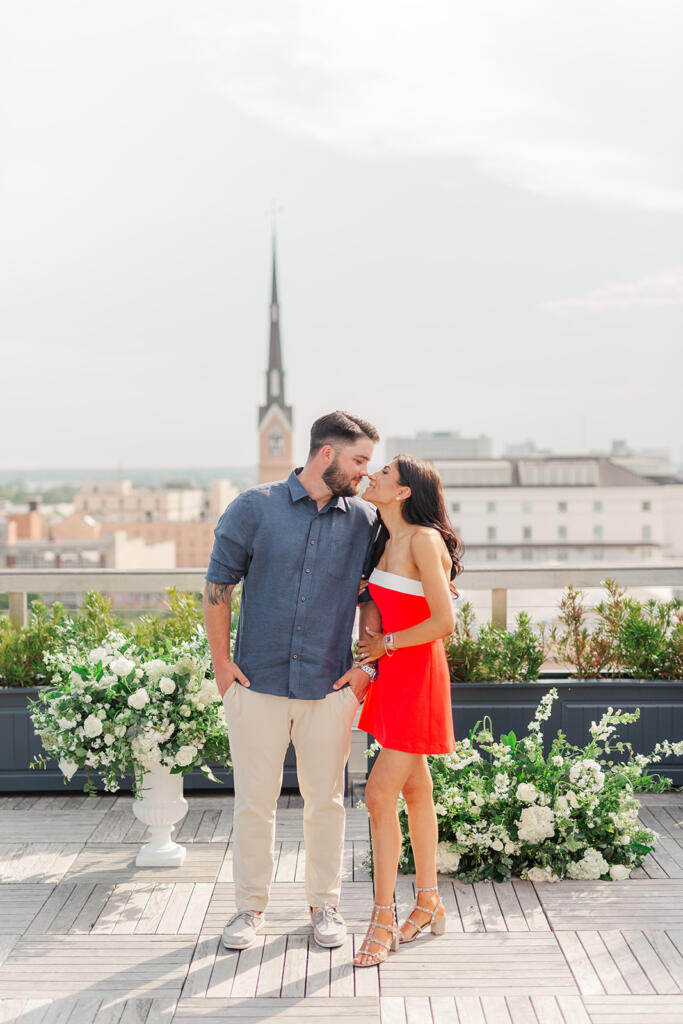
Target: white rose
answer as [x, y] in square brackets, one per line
[619, 872]
[108, 738]
[67, 768]
[138, 699]
[447, 859]
[66, 723]
[536, 824]
[186, 755]
[92, 726]
[496, 845]
[154, 668]
[561, 804]
[122, 666]
[97, 654]
[539, 874]
[166, 685]
[527, 792]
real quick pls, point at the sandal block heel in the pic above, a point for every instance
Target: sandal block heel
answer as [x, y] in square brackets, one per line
[439, 925]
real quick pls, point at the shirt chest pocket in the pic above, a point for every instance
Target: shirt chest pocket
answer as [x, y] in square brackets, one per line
[341, 562]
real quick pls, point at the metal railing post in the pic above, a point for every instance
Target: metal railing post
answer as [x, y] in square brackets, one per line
[499, 607]
[18, 609]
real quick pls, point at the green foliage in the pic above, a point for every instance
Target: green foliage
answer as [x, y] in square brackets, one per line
[492, 653]
[22, 647]
[50, 629]
[630, 639]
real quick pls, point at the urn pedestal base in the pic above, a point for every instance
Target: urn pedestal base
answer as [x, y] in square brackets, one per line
[161, 806]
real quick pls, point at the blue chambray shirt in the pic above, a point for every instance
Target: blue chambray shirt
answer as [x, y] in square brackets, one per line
[301, 570]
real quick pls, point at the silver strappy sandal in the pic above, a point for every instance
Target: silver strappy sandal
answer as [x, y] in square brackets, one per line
[437, 925]
[364, 950]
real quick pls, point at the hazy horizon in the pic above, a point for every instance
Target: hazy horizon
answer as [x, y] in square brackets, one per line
[480, 226]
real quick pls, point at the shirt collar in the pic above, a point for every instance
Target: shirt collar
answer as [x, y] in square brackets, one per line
[298, 491]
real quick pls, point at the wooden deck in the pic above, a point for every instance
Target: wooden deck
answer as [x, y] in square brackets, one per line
[85, 936]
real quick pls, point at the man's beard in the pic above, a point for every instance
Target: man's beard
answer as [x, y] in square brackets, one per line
[340, 485]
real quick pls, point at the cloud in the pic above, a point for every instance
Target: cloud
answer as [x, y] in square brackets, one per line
[657, 290]
[531, 99]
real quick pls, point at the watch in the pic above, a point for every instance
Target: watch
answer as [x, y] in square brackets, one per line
[371, 671]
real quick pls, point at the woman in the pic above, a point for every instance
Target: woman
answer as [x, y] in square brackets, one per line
[408, 706]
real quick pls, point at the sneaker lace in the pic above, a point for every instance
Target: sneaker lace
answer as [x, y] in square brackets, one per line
[248, 915]
[329, 913]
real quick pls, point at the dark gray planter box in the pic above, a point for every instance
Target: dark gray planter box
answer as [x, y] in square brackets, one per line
[580, 702]
[511, 706]
[19, 745]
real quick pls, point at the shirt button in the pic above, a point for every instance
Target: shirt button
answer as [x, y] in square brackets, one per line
[312, 542]
[298, 628]
[294, 657]
[308, 570]
[303, 598]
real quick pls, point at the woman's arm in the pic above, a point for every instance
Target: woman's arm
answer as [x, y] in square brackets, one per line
[426, 549]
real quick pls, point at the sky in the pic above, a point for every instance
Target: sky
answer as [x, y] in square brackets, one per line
[479, 223]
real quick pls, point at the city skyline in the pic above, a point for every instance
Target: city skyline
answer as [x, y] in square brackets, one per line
[481, 225]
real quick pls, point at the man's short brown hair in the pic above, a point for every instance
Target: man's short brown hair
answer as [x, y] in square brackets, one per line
[340, 429]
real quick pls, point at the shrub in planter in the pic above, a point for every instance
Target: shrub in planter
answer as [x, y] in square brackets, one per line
[630, 638]
[476, 654]
[504, 809]
[118, 708]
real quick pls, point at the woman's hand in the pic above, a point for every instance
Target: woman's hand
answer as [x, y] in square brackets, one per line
[363, 586]
[371, 648]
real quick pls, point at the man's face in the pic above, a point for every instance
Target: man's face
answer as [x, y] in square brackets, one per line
[344, 475]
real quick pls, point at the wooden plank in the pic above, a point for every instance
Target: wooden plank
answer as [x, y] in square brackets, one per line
[530, 904]
[418, 1010]
[393, 1010]
[573, 1009]
[468, 907]
[133, 910]
[668, 954]
[318, 971]
[361, 854]
[513, 915]
[579, 962]
[495, 1009]
[341, 971]
[630, 969]
[207, 826]
[294, 973]
[470, 1010]
[272, 966]
[300, 870]
[521, 1010]
[223, 829]
[366, 978]
[444, 1010]
[153, 913]
[285, 868]
[223, 973]
[176, 908]
[602, 962]
[92, 908]
[247, 972]
[196, 908]
[201, 967]
[547, 1010]
[655, 970]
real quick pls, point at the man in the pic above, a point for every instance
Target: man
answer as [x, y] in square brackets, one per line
[299, 545]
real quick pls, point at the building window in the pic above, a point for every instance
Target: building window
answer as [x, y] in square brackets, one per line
[597, 532]
[646, 506]
[491, 556]
[562, 556]
[455, 506]
[646, 553]
[490, 533]
[647, 532]
[562, 533]
[597, 506]
[527, 555]
[526, 508]
[598, 554]
[562, 506]
[526, 533]
[276, 442]
[490, 506]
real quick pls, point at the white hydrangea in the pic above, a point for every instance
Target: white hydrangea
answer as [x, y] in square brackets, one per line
[138, 699]
[591, 866]
[66, 723]
[536, 824]
[156, 667]
[97, 654]
[92, 726]
[541, 874]
[447, 859]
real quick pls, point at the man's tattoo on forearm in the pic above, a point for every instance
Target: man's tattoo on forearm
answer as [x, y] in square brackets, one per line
[218, 593]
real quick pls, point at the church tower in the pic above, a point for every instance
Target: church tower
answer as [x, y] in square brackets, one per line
[275, 423]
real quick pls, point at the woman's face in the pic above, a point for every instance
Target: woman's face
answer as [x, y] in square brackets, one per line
[384, 486]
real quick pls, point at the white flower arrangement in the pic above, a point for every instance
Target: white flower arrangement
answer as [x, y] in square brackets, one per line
[504, 808]
[114, 709]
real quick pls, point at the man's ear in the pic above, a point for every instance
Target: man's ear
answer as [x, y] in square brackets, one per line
[328, 453]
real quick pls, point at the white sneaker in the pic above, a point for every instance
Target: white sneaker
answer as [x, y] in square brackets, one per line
[242, 929]
[329, 927]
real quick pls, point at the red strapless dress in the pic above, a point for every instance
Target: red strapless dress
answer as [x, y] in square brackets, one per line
[408, 706]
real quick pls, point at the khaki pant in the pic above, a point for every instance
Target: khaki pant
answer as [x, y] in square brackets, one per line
[260, 727]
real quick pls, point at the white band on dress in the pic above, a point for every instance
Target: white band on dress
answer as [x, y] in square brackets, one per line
[392, 581]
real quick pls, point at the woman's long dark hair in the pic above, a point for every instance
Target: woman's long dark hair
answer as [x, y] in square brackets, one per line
[424, 507]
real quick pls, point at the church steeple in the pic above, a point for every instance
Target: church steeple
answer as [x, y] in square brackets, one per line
[275, 417]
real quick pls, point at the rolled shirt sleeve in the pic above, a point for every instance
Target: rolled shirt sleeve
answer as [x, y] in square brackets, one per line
[233, 542]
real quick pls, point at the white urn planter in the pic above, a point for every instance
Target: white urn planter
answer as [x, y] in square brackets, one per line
[161, 806]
